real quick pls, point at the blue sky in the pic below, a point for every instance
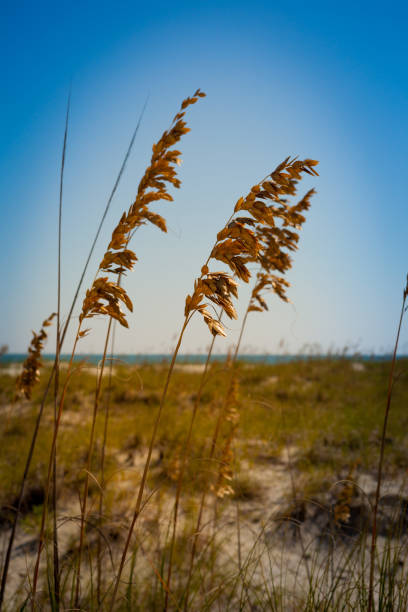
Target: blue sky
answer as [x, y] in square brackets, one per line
[318, 80]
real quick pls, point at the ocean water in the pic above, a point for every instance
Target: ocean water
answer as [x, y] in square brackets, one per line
[140, 358]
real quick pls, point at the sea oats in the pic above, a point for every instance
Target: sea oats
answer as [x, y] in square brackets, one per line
[31, 366]
[272, 234]
[255, 238]
[104, 297]
[237, 245]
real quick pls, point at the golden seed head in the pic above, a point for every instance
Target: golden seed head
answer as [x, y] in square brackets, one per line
[31, 366]
[264, 237]
[104, 297]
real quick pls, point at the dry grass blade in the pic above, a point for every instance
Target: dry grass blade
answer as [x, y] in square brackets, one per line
[57, 362]
[381, 457]
[105, 212]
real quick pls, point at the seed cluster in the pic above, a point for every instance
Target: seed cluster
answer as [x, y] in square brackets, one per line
[271, 237]
[105, 297]
[31, 366]
[274, 256]
[262, 237]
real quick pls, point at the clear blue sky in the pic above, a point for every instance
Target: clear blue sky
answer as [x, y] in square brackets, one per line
[324, 80]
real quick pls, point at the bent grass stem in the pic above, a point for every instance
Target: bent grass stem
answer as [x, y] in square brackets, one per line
[381, 458]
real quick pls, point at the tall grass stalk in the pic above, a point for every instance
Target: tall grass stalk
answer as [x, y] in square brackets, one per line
[105, 212]
[88, 464]
[105, 297]
[220, 291]
[213, 446]
[272, 258]
[381, 457]
[50, 379]
[101, 289]
[57, 365]
[91, 451]
[236, 245]
[186, 451]
[56, 384]
[49, 474]
[102, 469]
[146, 468]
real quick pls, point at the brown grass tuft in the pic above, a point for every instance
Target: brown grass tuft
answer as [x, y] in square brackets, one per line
[31, 366]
